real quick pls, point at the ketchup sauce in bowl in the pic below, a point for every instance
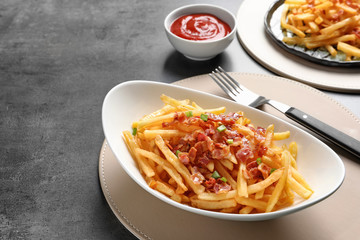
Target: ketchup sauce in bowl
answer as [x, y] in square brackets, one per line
[200, 27]
[200, 31]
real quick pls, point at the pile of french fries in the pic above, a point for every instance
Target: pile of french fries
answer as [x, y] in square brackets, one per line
[150, 145]
[331, 24]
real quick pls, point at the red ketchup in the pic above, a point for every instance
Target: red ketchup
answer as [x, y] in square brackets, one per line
[200, 27]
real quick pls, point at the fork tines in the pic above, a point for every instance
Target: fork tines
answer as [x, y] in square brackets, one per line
[226, 82]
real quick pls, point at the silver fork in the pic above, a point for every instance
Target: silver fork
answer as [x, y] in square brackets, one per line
[242, 95]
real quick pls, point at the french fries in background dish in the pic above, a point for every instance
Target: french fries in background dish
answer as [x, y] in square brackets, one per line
[330, 24]
[211, 160]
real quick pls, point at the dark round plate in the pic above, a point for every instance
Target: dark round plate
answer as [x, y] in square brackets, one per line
[318, 55]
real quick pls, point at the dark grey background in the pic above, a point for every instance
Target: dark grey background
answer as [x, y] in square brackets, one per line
[58, 59]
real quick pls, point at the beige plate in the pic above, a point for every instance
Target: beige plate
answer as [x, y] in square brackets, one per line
[335, 218]
[252, 35]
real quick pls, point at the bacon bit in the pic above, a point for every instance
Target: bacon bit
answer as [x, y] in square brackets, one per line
[244, 154]
[210, 131]
[259, 138]
[252, 164]
[192, 154]
[209, 184]
[203, 160]
[218, 136]
[221, 187]
[180, 116]
[207, 140]
[254, 173]
[184, 158]
[261, 150]
[228, 119]
[207, 126]
[210, 144]
[196, 176]
[220, 151]
[200, 147]
[265, 170]
[237, 142]
[201, 137]
[232, 134]
[165, 124]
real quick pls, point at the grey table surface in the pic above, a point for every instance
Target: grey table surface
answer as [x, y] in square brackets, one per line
[58, 59]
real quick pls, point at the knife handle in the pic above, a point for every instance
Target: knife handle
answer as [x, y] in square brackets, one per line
[335, 136]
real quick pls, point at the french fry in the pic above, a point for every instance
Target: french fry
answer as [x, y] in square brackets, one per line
[267, 182]
[164, 110]
[281, 135]
[281, 183]
[246, 210]
[259, 194]
[163, 133]
[258, 204]
[177, 198]
[227, 163]
[293, 149]
[132, 145]
[165, 165]
[241, 182]
[348, 49]
[300, 179]
[269, 135]
[338, 25]
[298, 188]
[181, 105]
[164, 188]
[213, 205]
[217, 197]
[231, 209]
[155, 120]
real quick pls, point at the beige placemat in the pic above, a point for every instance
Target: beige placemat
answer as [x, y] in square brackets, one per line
[337, 217]
[252, 35]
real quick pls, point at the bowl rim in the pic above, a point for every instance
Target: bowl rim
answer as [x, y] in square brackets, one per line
[233, 30]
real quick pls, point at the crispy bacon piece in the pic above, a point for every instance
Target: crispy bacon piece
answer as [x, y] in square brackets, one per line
[217, 185]
[244, 153]
[253, 170]
[180, 116]
[221, 187]
[196, 176]
[265, 170]
[184, 158]
[228, 119]
[220, 151]
[192, 154]
[203, 160]
[209, 183]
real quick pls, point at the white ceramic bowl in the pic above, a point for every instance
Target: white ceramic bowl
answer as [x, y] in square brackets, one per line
[200, 50]
[128, 102]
